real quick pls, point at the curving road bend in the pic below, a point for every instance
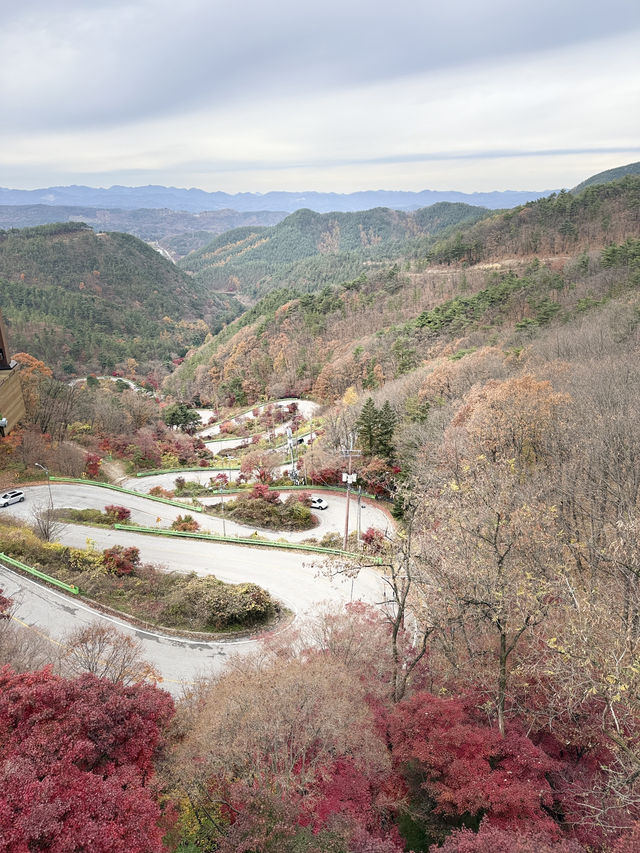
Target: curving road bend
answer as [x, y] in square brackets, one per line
[295, 579]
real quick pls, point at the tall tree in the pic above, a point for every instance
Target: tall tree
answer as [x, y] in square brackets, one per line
[367, 426]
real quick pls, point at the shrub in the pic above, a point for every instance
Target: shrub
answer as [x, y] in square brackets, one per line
[186, 523]
[86, 516]
[373, 540]
[92, 464]
[261, 492]
[159, 492]
[169, 460]
[117, 513]
[120, 560]
[210, 604]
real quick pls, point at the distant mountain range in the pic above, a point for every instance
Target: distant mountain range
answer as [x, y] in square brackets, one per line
[197, 201]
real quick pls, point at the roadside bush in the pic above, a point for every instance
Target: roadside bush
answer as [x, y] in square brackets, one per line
[159, 492]
[120, 560]
[209, 604]
[117, 513]
[186, 523]
[373, 540]
[84, 516]
[273, 515]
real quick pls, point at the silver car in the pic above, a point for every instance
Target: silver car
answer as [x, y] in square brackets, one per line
[12, 497]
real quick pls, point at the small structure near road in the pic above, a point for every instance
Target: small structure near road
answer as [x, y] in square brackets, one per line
[12, 408]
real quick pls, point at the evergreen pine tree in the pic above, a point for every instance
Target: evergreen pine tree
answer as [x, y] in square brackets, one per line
[384, 434]
[367, 426]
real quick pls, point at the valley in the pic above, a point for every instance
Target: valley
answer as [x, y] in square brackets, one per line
[460, 388]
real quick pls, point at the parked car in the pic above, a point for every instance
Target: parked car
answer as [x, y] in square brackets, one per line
[319, 503]
[12, 497]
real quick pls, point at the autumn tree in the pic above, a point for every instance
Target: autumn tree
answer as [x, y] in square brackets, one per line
[76, 757]
[106, 653]
[495, 563]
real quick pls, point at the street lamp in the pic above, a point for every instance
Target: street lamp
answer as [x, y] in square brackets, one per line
[46, 471]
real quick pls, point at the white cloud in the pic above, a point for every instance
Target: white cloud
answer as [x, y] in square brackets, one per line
[111, 93]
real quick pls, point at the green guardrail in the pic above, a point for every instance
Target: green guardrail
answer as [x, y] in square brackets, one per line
[233, 540]
[113, 488]
[38, 574]
[178, 471]
[292, 488]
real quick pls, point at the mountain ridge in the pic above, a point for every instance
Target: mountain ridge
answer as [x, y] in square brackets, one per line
[194, 200]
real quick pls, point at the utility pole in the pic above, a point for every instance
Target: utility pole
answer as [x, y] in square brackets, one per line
[46, 471]
[348, 478]
[359, 510]
[292, 444]
[224, 526]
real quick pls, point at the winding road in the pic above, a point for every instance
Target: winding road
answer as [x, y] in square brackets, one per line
[295, 579]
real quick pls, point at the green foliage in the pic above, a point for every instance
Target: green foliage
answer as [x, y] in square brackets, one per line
[181, 415]
[267, 513]
[310, 250]
[375, 429]
[608, 176]
[208, 604]
[92, 300]
[460, 312]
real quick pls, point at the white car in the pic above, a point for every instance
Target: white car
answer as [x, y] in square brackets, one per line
[319, 503]
[12, 497]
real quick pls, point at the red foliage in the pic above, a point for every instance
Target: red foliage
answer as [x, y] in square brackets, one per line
[261, 492]
[629, 842]
[117, 513]
[75, 761]
[365, 799]
[373, 539]
[327, 476]
[92, 464]
[490, 839]
[121, 560]
[469, 768]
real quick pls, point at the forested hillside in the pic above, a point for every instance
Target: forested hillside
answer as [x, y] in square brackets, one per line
[84, 301]
[608, 176]
[177, 231]
[385, 323]
[562, 224]
[310, 250]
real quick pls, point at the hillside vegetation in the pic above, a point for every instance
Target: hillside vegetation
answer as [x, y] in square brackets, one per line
[385, 323]
[177, 231]
[84, 301]
[608, 176]
[310, 250]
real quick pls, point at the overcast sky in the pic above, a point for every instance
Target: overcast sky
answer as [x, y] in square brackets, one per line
[341, 95]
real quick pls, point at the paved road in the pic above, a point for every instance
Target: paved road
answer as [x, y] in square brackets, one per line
[156, 514]
[294, 579]
[306, 408]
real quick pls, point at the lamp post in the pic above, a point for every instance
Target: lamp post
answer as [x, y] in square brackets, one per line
[46, 471]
